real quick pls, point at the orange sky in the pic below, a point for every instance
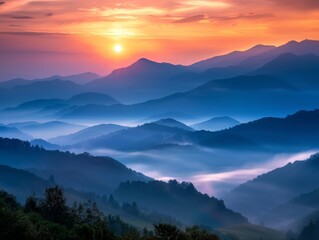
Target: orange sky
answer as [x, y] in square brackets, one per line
[44, 37]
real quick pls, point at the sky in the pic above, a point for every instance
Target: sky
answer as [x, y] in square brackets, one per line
[40, 38]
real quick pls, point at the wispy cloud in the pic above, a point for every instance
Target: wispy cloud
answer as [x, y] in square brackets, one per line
[195, 18]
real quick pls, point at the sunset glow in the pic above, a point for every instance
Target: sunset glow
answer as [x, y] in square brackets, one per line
[118, 48]
[179, 31]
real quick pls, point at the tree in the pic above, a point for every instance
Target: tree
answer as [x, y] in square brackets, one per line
[196, 233]
[53, 206]
[167, 232]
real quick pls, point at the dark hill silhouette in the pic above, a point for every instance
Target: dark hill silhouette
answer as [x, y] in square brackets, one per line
[169, 122]
[176, 199]
[39, 90]
[92, 98]
[81, 78]
[294, 47]
[216, 123]
[87, 133]
[289, 213]
[12, 132]
[147, 136]
[22, 183]
[300, 71]
[150, 78]
[245, 96]
[270, 190]
[233, 58]
[79, 171]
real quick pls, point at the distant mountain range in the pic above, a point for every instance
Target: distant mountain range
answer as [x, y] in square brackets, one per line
[296, 132]
[146, 79]
[82, 78]
[230, 59]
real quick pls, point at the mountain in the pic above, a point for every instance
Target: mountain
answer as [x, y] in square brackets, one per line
[80, 171]
[245, 83]
[233, 58]
[36, 105]
[44, 144]
[287, 214]
[12, 132]
[169, 122]
[92, 98]
[147, 136]
[87, 133]
[258, 196]
[48, 109]
[175, 198]
[294, 47]
[216, 124]
[51, 129]
[242, 96]
[271, 134]
[15, 82]
[299, 71]
[142, 80]
[294, 132]
[81, 78]
[22, 183]
[174, 115]
[39, 90]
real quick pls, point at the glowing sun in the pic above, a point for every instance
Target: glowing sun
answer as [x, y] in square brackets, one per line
[117, 48]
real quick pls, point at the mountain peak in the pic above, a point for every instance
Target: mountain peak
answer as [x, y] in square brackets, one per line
[144, 60]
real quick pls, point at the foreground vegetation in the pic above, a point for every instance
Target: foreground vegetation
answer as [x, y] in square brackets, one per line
[51, 219]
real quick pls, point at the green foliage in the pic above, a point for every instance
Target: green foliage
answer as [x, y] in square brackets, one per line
[51, 219]
[167, 232]
[196, 233]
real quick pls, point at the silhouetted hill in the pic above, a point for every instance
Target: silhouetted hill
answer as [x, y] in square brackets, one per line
[22, 183]
[176, 199]
[285, 215]
[294, 47]
[12, 132]
[44, 144]
[81, 78]
[79, 171]
[39, 90]
[233, 58]
[142, 80]
[147, 136]
[295, 132]
[92, 98]
[216, 123]
[86, 134]
[299, 71]
[267, 191]
[245, 83]
[15, 82]
[169, 122]
[35, 105]
[51, 129]
[243, 96]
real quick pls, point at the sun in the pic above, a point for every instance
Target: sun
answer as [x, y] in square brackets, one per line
[118, 48]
